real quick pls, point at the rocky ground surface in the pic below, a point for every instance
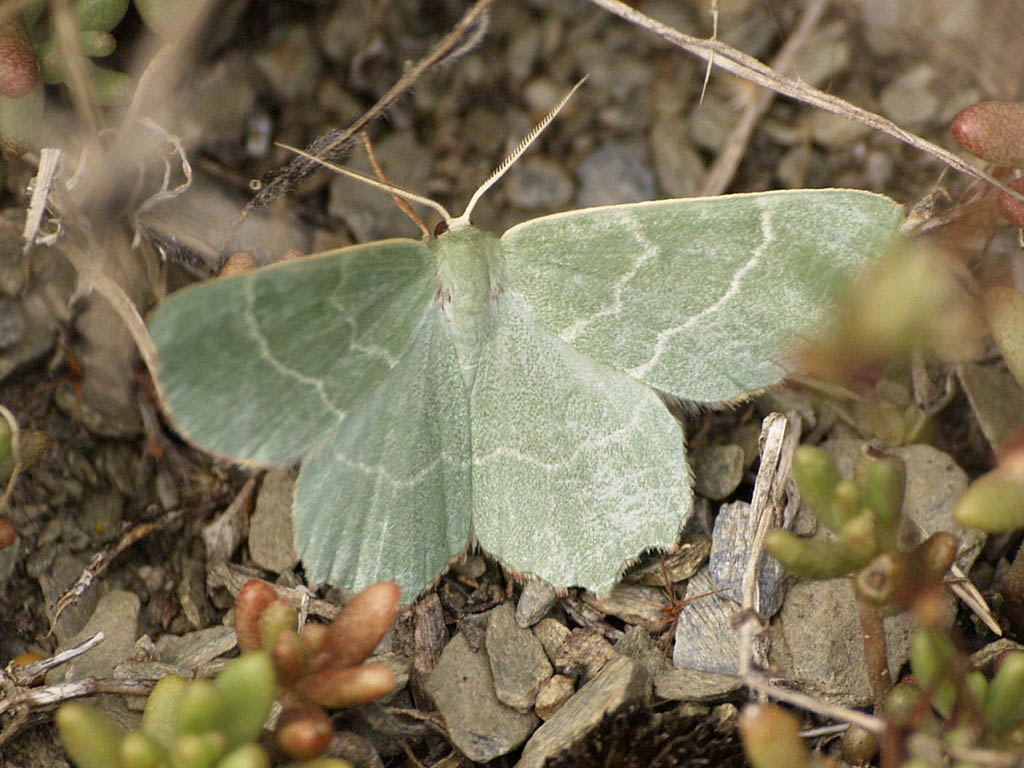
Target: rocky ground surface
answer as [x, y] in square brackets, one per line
[160, 537]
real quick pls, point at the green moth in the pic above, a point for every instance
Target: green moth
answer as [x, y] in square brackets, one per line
[506, 388]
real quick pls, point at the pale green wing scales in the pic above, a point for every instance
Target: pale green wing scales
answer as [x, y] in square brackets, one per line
[261, 365]
[387, 494]
[698, 297]
[576, 467]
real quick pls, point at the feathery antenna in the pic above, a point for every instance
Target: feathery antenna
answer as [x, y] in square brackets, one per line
[514, 155]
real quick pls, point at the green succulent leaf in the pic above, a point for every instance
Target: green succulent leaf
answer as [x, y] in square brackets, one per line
[247, 686]
[1004, 701]
[91, 738]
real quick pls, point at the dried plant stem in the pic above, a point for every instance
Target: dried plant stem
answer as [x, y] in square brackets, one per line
[728, 160]
[109, 289]
[876, 654]
[749, 68]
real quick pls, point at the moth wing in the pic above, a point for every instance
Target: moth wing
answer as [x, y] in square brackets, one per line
[553, 428]
[261, 365]
[698, 297]
[387, 494]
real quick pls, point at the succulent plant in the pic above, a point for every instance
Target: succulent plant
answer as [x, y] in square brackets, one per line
[185, 724]
[863, 513]
[960, 705]
[30, 55]
[320, 665]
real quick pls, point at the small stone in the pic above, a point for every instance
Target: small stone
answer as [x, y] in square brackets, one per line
[908, 100]
[583, 652]
[538, 182]
[521, 53]
[12, 322]
[831, 130]
[711, 123]
[195, 648]
[717, 470]
[292, 65]
[996, 399]
[116, 615]
[369, 213]
[271, 543]
[551, 633]
[730, 548]
[478, 723]
[191, 592]
[824, 55]
[634, 604]
[536, 600]
[612, 175]
[688, 558]
[60, 574]
[518, 662]
[691, 685]
[705, 640]
[679, 166]
[621, 681]
[101, 515]
[553, 695]
[820, 649]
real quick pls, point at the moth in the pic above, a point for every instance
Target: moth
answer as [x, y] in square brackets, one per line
[505, 389]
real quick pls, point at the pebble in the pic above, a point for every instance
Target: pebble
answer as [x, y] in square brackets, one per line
[622, 681]
[679, 166]
[519, 665]
[824, 54]
[909, 100]
[537, 182]
[116, 615]
[831, 130]
[996, 399]
[711, 122]
[554, 693]
[292, 66]
[101, 515]
[195, 648]
[819, 646]
[271, 542]
[730, 548]
[479, 725]
[611, 175]
[935, 482]
[61, 573]
[584, 652]
[551, 633]
[536, 599]
[12, 323]
[717, 470]
[521, 54]
[692, 553]
[704, 639]
[370, 213]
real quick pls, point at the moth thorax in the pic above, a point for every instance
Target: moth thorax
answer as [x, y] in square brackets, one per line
[468, 271]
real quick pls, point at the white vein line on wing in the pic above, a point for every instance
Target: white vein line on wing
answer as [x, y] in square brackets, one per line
[665, 335]
[370, 350]
[648, 252]
[261, 341]
[396, 482]
[560, 466]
